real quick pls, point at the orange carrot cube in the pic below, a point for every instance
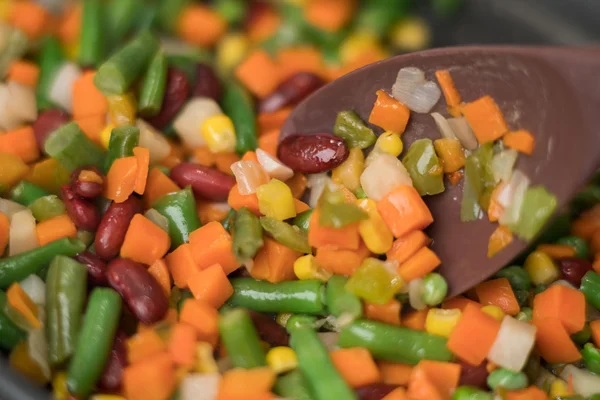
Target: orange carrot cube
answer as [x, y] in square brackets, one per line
[347, 237]
[211, 285]
[486, 119]
[274, 262]
[404, 211]
[258, 73]
[418, 265]
[389, 114]
[356, 366]
[564, 303]
[203, 317]
[145, 242]
[498, 292]
[55, 228]
[521, 140]
[182, 265]
[212, 244]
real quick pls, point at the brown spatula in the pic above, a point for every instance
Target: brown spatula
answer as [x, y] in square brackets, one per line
[552, 92]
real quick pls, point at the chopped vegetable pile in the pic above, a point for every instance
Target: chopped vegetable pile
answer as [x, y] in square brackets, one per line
[158, 241]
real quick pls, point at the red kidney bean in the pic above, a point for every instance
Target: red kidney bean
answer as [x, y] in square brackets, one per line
[114, 224]
[112, 376]
[269, 330]
[88, 190]
[176, 93]
[141, 292]
[96, 268]
[46, 123]
[256, 9]
[573, 269]
[207, 83]
[291, 91]
[374, 391]
[83, 212]
[473, 375]
[206, 182]
[311, 154]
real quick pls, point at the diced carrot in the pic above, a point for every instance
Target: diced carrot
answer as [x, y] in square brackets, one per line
[241, 383]
[406, 246]
[154, 379]
[446, 82]
[564, 303]
[22, 303]
[297, 184]
[70, 24]
[595, 327]
[142, 155]
[415, 319]
[300, 206]
[182, 345]
[389, 114]
[554, 342]
[421, 386]
[263, 23]
[204, 156]
[182, 265]
[396, 394]
[329, 15]
[388, 313]
[531, 393]
[341, 261]
[456, 111]
[459, 303]
[212, 244]
[455, 177]
[92, 126]
[158, 185]
[4, 229]
[557, 251]
[344, 238]
[404, 211]
[356, 365]
[20, 142]
[250, 156]
[202, 316]
[495, 209]
[473, 336]
[211, 285]
[224, 161]
[209, 211]
[24, 72]
[55, 228]
[145, 242]
[259, 73]
[160, 272]
[394, 373]
[498, 292]
[521, 140]
[144, 345]
[200, 25]
[419, 264]
[268, 142]
[300, 59]
[443, 375]
[486, 119]
[272, 120]
[237, 200]
[274, 262]
[29, 17]
[121, 179]
[88, 101]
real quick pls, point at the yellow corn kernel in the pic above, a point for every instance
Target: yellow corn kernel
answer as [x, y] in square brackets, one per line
[122, 109]
[358, 44]
[105, 135]
[441, 322]
[348, 173]
[219, 133]
[205, 361]
[107, 397]
[13, 169]
[559, 388]
[282, 359]
[494, 311]
[374, 231]
[59, 387]
[389, 142]
[411, 34]
[282, 318]
[541, 268]
[275, 200]
[231, 50]
[306, 267]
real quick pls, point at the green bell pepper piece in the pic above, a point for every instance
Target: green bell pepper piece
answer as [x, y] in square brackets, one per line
[373, 282]
[180, 210]
[353, 130]
[302, 220]
[72, 148]
[341, 301]
[424, 167]
[538, 206]
[590, 286]
[289, 235]
[47, 207]
[335, 212]
[122, 141]
[470, 210]
[478, 171]
[247, 235]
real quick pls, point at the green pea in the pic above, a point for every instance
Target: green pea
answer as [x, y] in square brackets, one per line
[435, 289]
[591, 358]
[517, 276]
[526, 314]
[583, 336]
[470, 393]
[580, 245]
[522, 297]
[540, 288]
[184, 295]
[507, 379]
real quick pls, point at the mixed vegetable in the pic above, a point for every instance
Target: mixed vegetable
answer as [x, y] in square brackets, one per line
[158, 240]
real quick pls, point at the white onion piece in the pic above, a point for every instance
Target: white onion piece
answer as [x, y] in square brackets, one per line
[415, 294]
[157, 219]
[61, 89]
[384, 174]
[158, 146]
[249, 175]
[503, 164]
[511, 198]
[273, 166]
[188, 122]
[22, 233]
[10, 208]
[584, 382]
[22, 101]
[8, 119]
[35, 288]
[412, 90]
[463, 132]
[443, 126]
[329, 339]
[513, 344]
[37, 347]
[316, 183]
[200, 387]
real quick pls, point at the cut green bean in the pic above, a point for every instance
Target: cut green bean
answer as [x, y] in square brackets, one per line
[241, 339]
[340, 301]
[590, 286]
[247, 235]
[26, 193]
[238, 105]
[91, 39]
[288, 235]
[72, 148]
[180, 210]
[50, 59]
[121, 16]
[293, 386]
[300, 321]
[153, 86]
[122, 141]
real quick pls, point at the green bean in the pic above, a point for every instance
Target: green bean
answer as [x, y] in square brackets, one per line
[517, 276]
[238, 105]
[300, 321]
[26, 193]
[591, 358]
[241, 339]
[94, 342]
[392, 343]
[434, 289]
[353, 130]
[47, 207]
[302, 220]
[72, 148]
[340, 301]
[293, 386]
[580, 245]
[50, 59]
[590, 286]
[247, 235]
[153, 87]
[286, 234]
[302, 297]
[526, 314]
[121, 16]
[122, 141]
[168, 13]
[470, 393]
[583, 336]
[180, 210]
[10, 333]
[91, 46]
[507, 379]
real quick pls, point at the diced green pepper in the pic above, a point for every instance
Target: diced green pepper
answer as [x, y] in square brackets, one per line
[26, 193]
[335, 212]
[373, 282]
[302, 220]
[590, 286]
[47, 207]
[424, 167]
[538, 206]
[72, 148]
[286, 234]
[353, 130]
[478, 171]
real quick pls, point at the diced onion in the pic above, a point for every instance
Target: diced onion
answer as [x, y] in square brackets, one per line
[511, 198]
[316, 183]
[158, 146]
[188, 122]
[22, 102]
[61, 89]
[503, 164]
[35, 288]
[384, 174]
[249, 175]
[443, 126]
[158, 219]
[8, 119]
[200, 387]
[415, 294]
[37, 347]
[412, 90]
[22, 233]
[10, 208]
[463, 132]
[513, 344]
[329, 339]
[273, 166]
[585, 383]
